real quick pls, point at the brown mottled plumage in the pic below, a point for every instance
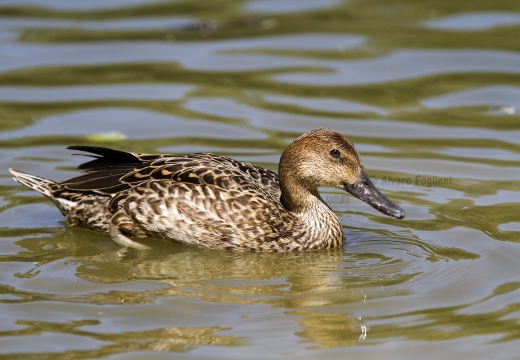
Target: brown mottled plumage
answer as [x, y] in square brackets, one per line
[215, 201]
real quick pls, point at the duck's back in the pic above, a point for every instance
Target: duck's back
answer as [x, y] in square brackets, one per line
[115, 171]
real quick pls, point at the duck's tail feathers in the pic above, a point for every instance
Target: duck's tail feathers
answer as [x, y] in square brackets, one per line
[39, 184]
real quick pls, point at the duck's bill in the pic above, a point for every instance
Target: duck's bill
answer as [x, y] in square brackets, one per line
[365, 190]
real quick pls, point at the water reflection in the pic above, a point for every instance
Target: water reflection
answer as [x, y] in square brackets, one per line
[299, 283]
[330, 329]
[72, 334]
[475, 21]
[456, 321]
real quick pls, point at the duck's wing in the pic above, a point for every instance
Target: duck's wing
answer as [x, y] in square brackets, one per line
[113, 171]
[103, 174]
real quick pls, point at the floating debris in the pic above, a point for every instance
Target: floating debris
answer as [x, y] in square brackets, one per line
[109, 136]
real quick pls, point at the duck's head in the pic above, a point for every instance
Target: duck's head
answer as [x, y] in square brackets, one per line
[324, 157]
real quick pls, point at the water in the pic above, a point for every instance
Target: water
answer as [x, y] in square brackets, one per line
[428, 91]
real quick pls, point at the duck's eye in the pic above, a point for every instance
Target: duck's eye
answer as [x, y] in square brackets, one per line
[335, 153]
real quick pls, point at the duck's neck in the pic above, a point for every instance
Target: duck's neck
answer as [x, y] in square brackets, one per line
[321, 227]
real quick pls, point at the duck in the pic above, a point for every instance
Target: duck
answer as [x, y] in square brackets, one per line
[214, 201]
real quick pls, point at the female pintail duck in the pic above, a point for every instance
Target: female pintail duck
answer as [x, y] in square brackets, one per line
[215, 201]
